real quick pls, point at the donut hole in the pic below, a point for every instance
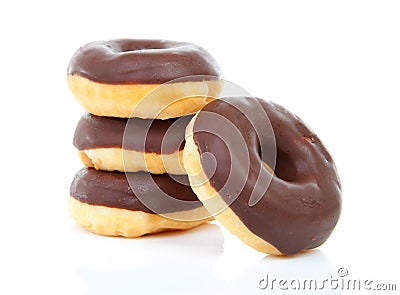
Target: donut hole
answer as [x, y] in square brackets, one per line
[285, 168]
[135, 49]
[130, 47]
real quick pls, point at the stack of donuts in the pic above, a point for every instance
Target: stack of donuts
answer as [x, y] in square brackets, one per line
[163, 153]
[139, 96]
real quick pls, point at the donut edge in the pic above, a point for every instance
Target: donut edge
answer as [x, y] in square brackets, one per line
[118, 159]
[213, 201]
[108, 221]
[121, 100]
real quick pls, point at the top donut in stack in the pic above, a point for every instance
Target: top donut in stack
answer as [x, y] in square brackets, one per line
[139, 96]
[111, 78]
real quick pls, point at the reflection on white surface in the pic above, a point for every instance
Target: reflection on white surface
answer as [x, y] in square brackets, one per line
[202, 260]
[165, 262]
[247, 272]
[110, 253]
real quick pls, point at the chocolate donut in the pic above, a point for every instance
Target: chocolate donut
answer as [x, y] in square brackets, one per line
[105, 203]
[149, 145]
[293, 208]
[110, 78]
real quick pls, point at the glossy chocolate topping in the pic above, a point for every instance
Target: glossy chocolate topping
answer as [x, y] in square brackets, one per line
[130, 61]
[144, 135]
[301, 206]
[111, 189]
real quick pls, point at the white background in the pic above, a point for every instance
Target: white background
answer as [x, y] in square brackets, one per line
[336, 64]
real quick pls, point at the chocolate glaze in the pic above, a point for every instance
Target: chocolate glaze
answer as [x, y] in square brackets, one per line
[302, 204]
[130, 61]
[163, 136]
[111, 189]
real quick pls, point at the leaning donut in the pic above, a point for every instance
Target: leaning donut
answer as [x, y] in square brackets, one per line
[227, 155]
[131, 145]
[110, 78]
[105, 203]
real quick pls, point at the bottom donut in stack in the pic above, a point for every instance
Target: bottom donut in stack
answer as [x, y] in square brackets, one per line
[116, 203]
